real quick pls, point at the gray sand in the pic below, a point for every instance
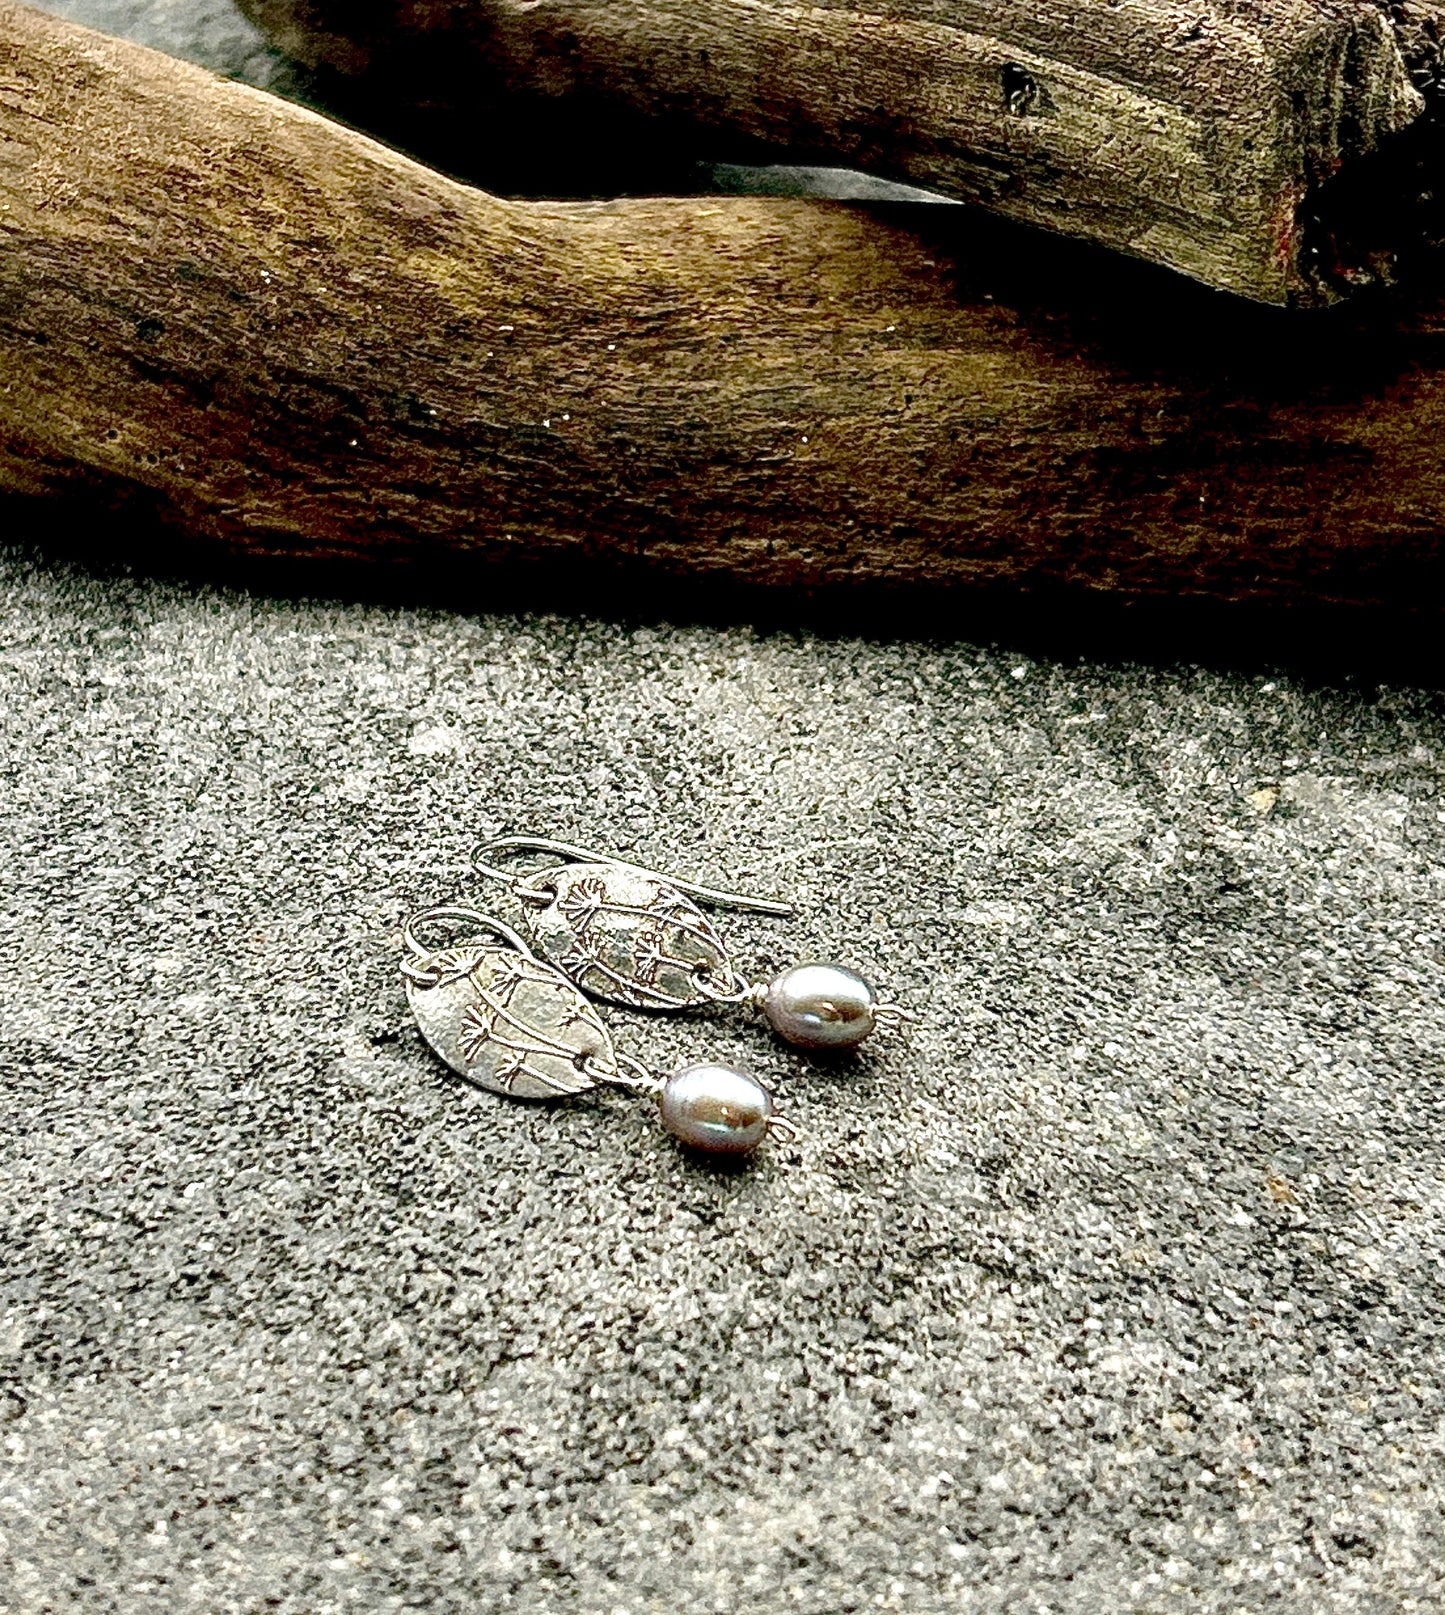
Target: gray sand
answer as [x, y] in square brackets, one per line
[1114, 1285]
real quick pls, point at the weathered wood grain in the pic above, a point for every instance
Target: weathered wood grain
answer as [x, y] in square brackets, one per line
[1192, 133]
[281, 337]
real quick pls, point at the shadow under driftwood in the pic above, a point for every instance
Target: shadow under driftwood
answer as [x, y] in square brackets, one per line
[1329, 646]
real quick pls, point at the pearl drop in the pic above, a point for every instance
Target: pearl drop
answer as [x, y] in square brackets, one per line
[715, 1108]
[819, 1006]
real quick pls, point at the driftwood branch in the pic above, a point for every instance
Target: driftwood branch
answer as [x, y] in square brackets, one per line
[277, 335]
[1192, 133]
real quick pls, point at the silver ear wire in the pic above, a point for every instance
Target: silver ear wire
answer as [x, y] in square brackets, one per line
[452, 914]
[583, 855]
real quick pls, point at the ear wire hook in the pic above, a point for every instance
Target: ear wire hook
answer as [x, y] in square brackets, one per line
[450, 914]
[563, 849]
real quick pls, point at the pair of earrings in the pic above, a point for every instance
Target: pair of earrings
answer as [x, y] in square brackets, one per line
[514, 1015]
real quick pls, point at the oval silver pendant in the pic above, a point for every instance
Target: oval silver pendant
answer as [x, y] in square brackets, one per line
[508, 1022]
[627, 936]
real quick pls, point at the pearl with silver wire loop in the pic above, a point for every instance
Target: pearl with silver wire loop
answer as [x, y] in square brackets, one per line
[820, 1006]
[716, 1108]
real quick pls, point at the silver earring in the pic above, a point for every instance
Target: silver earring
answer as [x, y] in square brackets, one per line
[506, 1020]
[629, 935]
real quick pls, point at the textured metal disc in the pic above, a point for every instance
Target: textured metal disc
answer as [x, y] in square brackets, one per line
[628, 937]
[508, 1022]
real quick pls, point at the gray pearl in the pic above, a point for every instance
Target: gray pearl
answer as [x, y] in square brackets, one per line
[715, 1108]
[820, 1006]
